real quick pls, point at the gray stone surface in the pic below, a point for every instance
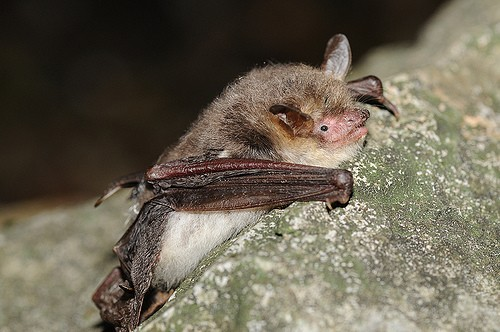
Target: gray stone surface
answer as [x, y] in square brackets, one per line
[438, 40]
[417, 248]
[52, 262]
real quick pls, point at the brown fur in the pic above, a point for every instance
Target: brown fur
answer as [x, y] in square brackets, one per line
[239, 121]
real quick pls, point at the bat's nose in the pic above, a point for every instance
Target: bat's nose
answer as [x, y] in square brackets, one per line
[356, 116]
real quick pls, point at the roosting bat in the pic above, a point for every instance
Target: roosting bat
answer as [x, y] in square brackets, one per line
[271, 138]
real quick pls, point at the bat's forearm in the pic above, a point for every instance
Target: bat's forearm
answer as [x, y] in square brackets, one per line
[232, 184]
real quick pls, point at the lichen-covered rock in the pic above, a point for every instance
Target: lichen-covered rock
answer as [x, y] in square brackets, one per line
[417, 247]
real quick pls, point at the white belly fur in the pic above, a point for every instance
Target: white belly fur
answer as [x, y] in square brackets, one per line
[189, 236]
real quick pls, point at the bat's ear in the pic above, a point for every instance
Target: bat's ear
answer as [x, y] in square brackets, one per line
[291, 119]
[337, 59]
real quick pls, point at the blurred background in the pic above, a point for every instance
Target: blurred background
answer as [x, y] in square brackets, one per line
[91, 90]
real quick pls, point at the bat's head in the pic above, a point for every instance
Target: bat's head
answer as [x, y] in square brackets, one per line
[292, 112]
[317, 120]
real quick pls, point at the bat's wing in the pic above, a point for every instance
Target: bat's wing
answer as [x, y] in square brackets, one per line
[230, 184]
[127, 181]
[206, 185]
[369, 90]
[120, 296]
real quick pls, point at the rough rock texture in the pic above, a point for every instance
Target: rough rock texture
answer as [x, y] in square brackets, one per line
[51, 263]
[417, 248]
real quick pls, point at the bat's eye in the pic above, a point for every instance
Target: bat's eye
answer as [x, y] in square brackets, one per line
[324, 128]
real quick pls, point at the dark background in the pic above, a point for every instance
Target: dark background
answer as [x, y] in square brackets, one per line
[91, 90]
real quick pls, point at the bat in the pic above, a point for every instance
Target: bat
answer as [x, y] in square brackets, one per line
[273, 137]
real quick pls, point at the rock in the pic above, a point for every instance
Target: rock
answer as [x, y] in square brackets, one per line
[417, 247]
[438, 40]
[52, 262]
